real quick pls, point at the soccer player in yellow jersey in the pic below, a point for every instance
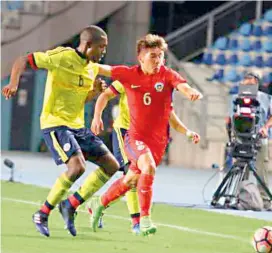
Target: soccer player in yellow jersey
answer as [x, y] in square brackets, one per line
[120, 127]
[70, 84]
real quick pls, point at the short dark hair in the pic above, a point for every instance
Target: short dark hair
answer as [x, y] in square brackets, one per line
[92, 34]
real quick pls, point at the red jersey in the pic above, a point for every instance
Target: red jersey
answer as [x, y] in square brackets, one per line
[149, 100]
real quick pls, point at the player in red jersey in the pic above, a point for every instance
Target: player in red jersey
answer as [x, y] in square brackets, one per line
[149, 89]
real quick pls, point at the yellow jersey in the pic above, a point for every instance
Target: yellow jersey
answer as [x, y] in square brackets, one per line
[123, 119]
[69, 80]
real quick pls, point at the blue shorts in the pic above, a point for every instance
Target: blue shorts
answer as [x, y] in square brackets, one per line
[63, 142]
[118, 135]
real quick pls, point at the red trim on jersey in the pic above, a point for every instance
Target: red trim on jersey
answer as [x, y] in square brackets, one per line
[31, 61]
[114, 90]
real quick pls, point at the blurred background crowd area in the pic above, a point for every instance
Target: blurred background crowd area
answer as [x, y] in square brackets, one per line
[211, 43]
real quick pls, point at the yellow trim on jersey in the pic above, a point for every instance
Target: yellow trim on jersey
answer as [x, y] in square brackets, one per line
[58, 148]
[121, 143]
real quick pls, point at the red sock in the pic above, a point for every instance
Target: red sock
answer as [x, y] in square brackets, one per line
[145, 184]
[74, 201]
[116, 190]
[135, 220]
[45, 209]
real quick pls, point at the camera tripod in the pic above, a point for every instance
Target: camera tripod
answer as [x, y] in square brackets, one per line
[228, 189]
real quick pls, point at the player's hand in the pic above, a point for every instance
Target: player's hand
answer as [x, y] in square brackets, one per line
[264, 131]
[194, 137]
[194, 94]
[99, 85]
[97, 126]
[9, 91]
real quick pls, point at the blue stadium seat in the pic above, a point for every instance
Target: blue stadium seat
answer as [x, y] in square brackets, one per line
[267, 46]
[233, 59]
[220, 59]
[267, 78]
[245, 61]
[232, 76]
[245, 29]
[245, 45]
[258, 61]
[233, 44]
[207, 58]
[221, 43]
[257, 30]
[268, 16]
[268, 62]
[268, 31]
[218, 75]
[257, 46]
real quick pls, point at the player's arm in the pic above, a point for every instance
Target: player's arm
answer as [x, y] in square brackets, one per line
[179, 83]
[104, 70]
[179, 126]
[17, 70]
[97, 124]
[189, 92]
[36, 60]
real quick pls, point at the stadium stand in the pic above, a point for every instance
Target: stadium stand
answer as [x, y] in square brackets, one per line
[248, 48]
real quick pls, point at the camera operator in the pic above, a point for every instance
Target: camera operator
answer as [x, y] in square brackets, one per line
[263, 126]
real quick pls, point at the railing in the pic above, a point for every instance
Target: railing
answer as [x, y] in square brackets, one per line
[190, 40]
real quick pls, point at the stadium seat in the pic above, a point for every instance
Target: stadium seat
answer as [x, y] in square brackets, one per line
[268, 16]
[221, 43]
[268, 62]
[258, 61]
[245, 60]
[245, 45]
[267, 78]
[245, 29]
[267, 46]
[257, 46]
[207, 58]
[232, 76]
[218, 75]
[233, 59]
[257, 30]
[233, 44]
[220, 59]
[268, 31]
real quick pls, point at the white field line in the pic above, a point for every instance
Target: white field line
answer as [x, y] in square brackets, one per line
[180, 228]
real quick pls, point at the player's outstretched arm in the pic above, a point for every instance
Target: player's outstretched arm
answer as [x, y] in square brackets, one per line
[104, 70]
[191, 93]
[178, 125]
[17, 69]
[97, 124]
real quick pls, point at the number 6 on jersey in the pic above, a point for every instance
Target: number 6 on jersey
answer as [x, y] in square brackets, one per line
[147, 98]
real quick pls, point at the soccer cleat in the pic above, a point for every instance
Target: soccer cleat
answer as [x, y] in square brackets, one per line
[100, 223]
[147, 227]
[136, 229]
[40, 220]
[68, 214]
[97, 212]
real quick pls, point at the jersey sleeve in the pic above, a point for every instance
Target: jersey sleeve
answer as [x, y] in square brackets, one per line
[174, 78]
[45, 60]
[93, 69]
[121, 73]
[117, 88]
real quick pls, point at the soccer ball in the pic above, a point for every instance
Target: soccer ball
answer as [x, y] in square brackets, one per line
[262, 240]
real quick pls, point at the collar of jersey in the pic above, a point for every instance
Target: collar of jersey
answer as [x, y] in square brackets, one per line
[80, 54]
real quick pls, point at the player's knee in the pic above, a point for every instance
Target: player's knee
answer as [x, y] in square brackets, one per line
[111, 166]
[76, 167]
[131, 181]
[150, 169]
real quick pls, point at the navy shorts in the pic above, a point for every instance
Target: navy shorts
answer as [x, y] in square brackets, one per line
[63, 142]
[118, 135]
